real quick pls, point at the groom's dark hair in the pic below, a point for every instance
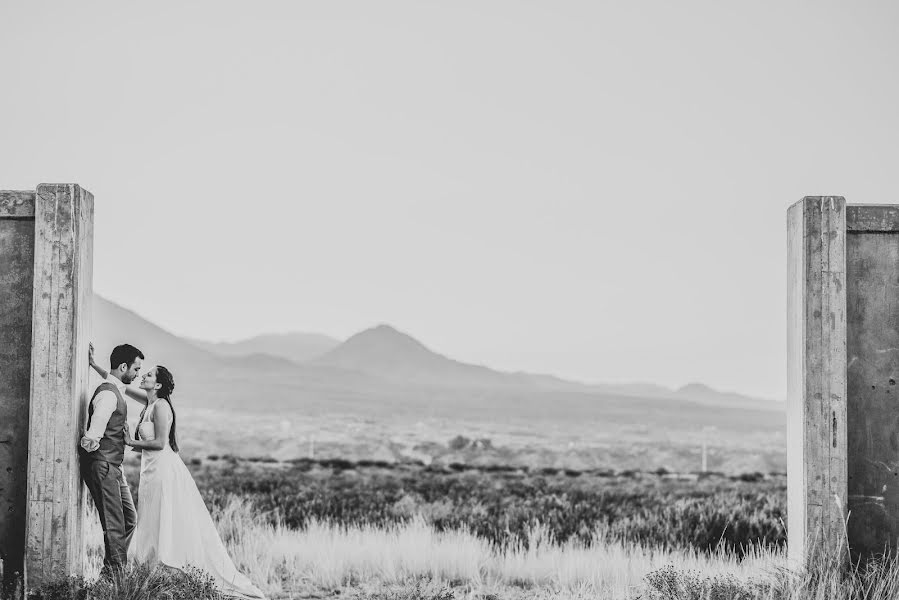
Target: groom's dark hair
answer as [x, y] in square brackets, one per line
[126, 353]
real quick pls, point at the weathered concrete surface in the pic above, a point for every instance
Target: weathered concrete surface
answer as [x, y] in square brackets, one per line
[870, 218]
[816, 382]
[16, 281]
[872, 264]
[46, 255]
[16, 205]
[61, 309]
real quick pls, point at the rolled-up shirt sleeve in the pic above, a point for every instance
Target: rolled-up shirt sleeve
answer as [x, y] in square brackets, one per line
[104, 405]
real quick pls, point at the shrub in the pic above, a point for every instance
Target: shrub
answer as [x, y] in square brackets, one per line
[140, 582]
[381, 464]
[338, 464]
[460, 442]
[826, 577]
[421, 590]
[668, 583]
[650, 511]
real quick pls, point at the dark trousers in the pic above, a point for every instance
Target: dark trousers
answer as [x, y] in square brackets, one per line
[112, 497]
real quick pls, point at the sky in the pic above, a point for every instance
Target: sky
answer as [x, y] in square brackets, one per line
[592, 189]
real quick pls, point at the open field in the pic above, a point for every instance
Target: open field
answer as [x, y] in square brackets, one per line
[414, 561]
[325, 559]
[372, 531]
[501, 505]
[585, 442]
[315, 529]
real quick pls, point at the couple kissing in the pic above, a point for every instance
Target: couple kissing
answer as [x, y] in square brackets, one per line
[171, 525]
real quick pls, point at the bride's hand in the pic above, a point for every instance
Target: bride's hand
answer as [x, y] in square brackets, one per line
[129, 441]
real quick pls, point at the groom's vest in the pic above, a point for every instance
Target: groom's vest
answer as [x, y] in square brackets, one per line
[112, 444]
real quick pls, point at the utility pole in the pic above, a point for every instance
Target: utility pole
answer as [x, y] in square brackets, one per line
[705, 458]
[705, 446]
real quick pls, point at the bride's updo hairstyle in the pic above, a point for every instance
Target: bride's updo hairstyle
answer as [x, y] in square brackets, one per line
[167, 382]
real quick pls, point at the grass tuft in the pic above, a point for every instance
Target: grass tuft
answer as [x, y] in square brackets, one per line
[139, 582]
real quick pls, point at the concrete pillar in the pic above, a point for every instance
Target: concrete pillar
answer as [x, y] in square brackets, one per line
[816, 377]
[61, 313]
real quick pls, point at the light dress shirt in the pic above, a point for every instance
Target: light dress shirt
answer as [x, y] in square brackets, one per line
[104, 405]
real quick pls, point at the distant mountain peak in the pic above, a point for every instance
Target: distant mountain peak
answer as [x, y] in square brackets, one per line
[385, 351]
[385, 328]
[695, 387]
[386, 335]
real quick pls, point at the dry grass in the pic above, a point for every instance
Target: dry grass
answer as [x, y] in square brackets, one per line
[326, 556]
[391, 562]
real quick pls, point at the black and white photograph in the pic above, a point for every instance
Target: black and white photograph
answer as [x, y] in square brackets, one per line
[395, 300]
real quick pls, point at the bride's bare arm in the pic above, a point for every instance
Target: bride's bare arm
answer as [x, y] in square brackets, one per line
[162, 422]
[133, 392]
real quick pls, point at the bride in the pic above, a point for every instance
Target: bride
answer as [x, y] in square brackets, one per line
[173, 526]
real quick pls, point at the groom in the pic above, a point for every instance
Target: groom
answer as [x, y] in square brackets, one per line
[102, 451]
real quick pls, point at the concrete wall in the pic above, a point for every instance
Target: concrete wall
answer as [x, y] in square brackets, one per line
[843, 377]
[46, 256]
[872, 300]
[16, 283]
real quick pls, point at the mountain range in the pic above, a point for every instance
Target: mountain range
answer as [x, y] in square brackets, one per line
[382, 370]
[297, 347]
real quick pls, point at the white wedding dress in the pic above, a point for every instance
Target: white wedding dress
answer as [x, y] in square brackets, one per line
[173, 526]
